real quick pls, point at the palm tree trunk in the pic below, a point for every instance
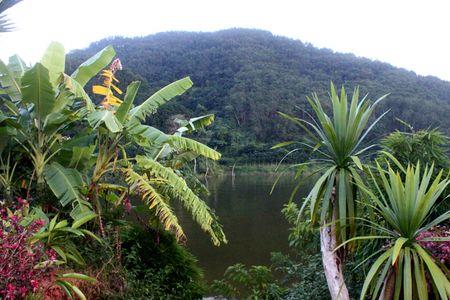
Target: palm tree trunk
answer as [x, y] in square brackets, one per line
[389, 286]
[331, 262]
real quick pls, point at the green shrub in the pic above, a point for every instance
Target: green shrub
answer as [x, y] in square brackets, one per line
[158, 268]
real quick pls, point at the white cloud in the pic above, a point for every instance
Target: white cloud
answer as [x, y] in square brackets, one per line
[408, 34]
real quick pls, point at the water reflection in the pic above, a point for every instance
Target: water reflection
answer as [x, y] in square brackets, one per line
[251, 219]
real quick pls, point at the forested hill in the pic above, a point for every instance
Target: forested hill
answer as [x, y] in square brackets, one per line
[246, 76]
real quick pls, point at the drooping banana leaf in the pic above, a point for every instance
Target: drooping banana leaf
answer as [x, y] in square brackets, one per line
[140, 185]
[186, 144]
[177, 186]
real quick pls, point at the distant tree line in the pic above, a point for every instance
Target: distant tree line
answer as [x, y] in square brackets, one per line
[246, 76]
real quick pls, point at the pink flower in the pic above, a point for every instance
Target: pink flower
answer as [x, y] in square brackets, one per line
[127, 204]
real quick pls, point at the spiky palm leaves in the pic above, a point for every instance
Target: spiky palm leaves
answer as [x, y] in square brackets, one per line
[405, 269]
[5, 24]
[337, 144]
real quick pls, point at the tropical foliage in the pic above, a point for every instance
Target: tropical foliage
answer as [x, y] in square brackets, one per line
[425, 146]
[337, 143]
[404, 268]
[72, 157]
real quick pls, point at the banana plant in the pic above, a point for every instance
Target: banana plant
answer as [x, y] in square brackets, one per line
[404, 269]
[43, 103]
[337, 144]
[118, 126]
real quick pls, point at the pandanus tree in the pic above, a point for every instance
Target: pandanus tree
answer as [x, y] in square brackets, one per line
[85, 152]
[338, 145]
[404, 268]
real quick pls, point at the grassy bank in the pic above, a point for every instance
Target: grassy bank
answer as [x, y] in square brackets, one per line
[253, 169]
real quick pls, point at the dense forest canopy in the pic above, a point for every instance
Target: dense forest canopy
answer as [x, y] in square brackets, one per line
[245, 76]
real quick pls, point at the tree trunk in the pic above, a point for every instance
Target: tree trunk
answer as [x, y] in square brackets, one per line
[389, 286]
[331, 262]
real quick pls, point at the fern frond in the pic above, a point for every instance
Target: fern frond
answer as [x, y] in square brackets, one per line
[201, 213]
[140, 184]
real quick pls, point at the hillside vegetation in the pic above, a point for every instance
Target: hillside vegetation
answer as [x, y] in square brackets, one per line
[245, 76]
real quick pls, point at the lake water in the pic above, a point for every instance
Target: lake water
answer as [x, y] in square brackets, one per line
[251, 219]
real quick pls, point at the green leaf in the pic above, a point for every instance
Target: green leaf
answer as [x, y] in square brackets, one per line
[65, 183]
[9, 83]
[17, 66]
[82, 218]
[125, 107]
[178, 188]
[93, 65]
[283, 144]
[397, 248]
[54, 60]
[37, 90]
[105, 117]
[373, 271]
[194, 124]
[140, 185]
[79, 277]
[165, 94]
[357, 162]
[186, 144]
[79, 92]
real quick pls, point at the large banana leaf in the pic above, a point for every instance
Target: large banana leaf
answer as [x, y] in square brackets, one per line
[105, 117]
[17, 67]
[54, 60]
[186, 144]
[165, 94]
[93, 65]
[146, 136]
[65, 183]
[150, 137]
[37, 90]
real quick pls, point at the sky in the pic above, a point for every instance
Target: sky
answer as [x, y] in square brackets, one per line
[410, 34]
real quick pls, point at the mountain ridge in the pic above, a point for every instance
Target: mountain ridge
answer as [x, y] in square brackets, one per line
[246, 75]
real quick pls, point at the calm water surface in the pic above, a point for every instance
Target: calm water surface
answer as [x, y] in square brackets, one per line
[251, 218]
